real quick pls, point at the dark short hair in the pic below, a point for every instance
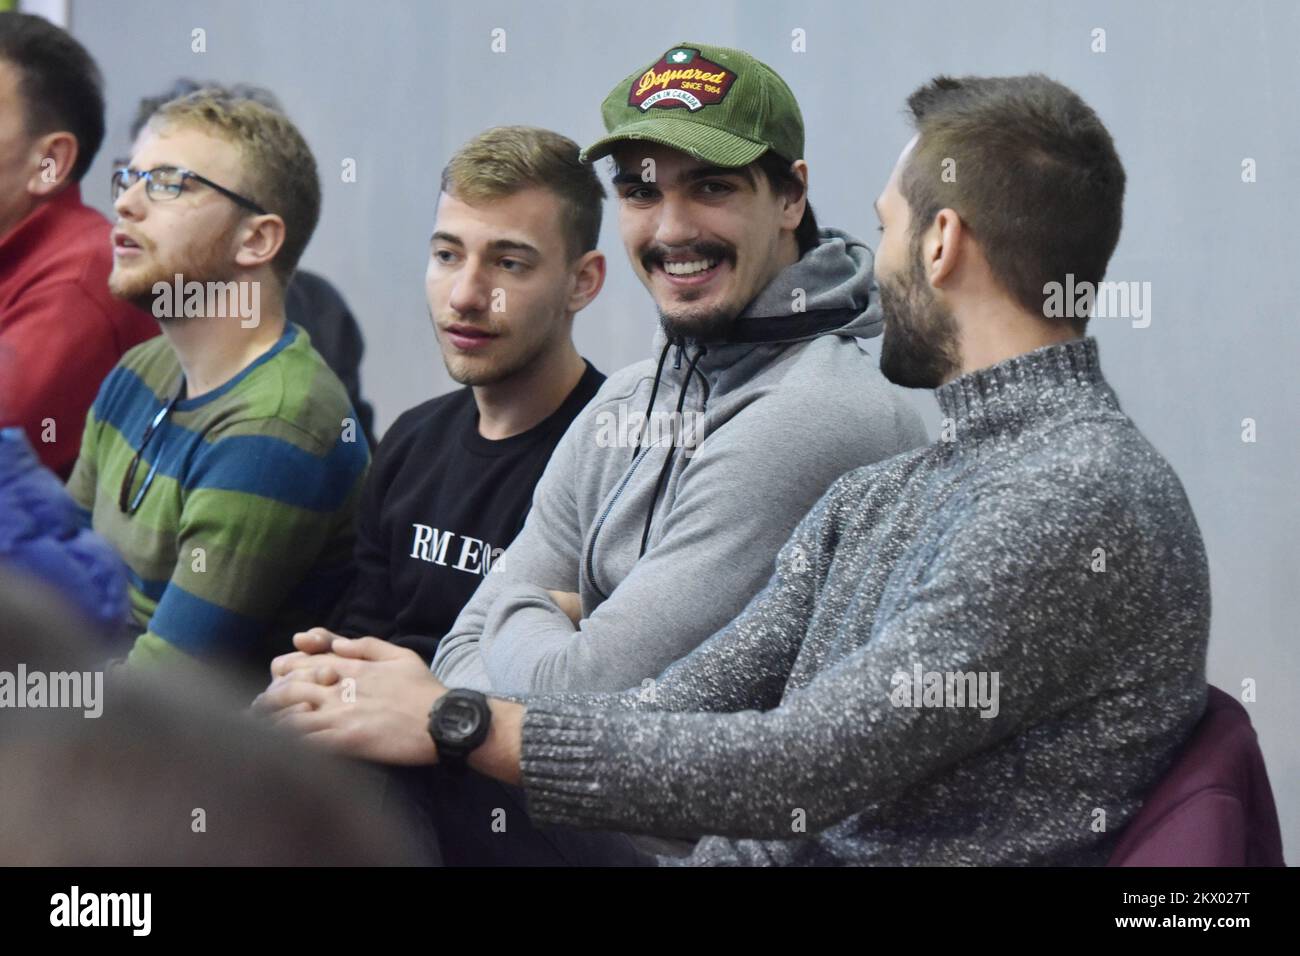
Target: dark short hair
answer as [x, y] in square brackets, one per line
[1035, 178]
[185, 86]
[59, 83]
[777, 170]
[121, 789]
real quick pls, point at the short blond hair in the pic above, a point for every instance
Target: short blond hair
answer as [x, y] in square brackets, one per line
[501, 161]
[279, 171]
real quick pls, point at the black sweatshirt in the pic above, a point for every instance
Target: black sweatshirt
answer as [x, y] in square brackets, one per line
[440, 504]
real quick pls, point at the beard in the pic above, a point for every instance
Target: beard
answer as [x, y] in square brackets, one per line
[198, 262]
[467, 371]
[920, 347]
[702, 323]
[514, 351]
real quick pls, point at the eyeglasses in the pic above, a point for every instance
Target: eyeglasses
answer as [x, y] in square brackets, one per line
[130, 507]
[167, 182]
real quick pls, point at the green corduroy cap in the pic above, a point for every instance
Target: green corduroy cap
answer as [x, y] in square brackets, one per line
[721, 106]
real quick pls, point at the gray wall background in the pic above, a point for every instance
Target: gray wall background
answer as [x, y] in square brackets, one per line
[1188, 89]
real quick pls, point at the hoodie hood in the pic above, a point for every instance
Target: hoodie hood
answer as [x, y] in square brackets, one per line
[836, 276]
[839, 298]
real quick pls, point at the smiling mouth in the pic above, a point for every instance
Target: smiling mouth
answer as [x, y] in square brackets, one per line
[690, 268]
[690, 271]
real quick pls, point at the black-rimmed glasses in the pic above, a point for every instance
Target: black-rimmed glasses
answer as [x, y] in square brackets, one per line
[167, 182]
[131, 506]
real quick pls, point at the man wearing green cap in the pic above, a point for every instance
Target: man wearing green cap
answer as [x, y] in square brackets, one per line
[718, 105]
[641, 545]
[662, 509]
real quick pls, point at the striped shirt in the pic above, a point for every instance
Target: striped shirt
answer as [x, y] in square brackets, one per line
[245, 533]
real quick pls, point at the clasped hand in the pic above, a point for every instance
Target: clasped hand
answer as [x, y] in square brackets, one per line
[363, 697]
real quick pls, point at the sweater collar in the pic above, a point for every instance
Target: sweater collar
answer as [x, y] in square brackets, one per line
[1014, 393]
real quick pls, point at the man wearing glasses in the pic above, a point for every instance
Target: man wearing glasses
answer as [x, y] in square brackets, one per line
[60, 330]
[223, 460]
[310, 301]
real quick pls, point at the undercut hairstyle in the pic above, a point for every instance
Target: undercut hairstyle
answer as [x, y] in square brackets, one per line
[278, 169]
[501, 161]
[1034, 177]
[58, 82]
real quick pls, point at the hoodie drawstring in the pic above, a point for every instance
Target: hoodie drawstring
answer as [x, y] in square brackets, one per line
[654, 390]
[672, 448]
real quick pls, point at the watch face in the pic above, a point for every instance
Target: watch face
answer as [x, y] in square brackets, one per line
[457, 720]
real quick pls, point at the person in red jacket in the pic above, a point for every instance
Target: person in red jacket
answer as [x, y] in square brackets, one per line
[61, 332]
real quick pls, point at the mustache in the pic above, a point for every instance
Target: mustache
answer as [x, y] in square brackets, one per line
[655, 255]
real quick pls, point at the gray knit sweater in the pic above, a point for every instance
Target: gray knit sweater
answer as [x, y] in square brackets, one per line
[986, 651]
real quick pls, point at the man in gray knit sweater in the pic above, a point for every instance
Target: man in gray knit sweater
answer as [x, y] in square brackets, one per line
[985, 651]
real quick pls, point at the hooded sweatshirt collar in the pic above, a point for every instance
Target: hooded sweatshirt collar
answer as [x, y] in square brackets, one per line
[838, 298]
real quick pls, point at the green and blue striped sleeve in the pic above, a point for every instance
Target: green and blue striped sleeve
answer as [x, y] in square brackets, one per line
[267, 517]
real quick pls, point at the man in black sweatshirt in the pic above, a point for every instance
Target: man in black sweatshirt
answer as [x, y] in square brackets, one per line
[512, 259]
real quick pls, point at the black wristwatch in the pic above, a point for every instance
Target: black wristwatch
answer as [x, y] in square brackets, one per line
[458, 723]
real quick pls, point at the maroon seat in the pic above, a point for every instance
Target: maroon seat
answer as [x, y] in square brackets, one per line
[1214, 807]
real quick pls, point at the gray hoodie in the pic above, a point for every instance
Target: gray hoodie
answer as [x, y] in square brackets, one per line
[667, 542]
